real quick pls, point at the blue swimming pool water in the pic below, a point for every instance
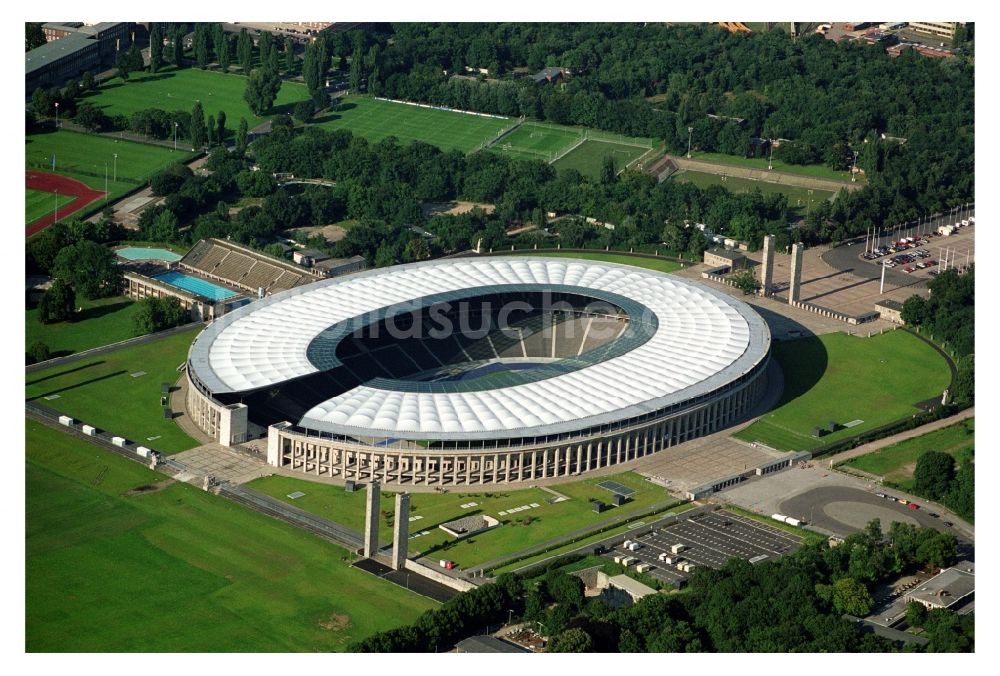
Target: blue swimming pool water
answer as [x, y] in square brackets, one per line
[195, 285]
[135, 253]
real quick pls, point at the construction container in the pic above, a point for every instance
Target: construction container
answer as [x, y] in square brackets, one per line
[678, 548]
[143, 451]
[119, 441]
[65, 420]
[88, 430]
[778, 517]
[791, 521]
[635, 546]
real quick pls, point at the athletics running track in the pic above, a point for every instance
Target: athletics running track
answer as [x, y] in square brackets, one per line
[46, 182]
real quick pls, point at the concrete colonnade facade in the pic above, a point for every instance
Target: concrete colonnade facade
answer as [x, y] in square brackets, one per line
[295, 450]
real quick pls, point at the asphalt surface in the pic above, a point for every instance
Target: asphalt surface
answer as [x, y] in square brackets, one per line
[822, 506]
[711, 539]
[408, 579]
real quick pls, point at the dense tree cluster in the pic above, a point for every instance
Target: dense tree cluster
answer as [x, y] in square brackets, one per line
[157, 314]
[949, 314]
[463, 615]
[795, 603]
[824, 100]
[936, 477]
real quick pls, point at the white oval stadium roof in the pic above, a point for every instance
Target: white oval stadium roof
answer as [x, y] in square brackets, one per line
[704, 340]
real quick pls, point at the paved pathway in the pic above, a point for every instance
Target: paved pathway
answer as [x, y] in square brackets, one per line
[902, 436]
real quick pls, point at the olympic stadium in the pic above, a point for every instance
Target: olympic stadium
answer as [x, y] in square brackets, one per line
[467, 372]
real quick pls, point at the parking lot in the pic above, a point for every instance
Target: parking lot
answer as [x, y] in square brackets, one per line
[710, 539]
[923, 252]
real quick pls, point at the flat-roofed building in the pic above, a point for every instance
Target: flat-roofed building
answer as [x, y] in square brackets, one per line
[891, 310]
[950, 588]
[72, 48]
[723, 258]
[941, 29]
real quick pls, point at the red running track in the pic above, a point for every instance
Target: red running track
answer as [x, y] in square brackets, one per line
[46, 182]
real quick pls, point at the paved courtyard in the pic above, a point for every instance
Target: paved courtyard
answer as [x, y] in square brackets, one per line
[222, 463]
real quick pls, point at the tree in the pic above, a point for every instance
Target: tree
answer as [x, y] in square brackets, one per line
[158, 314]
[241, 135]
[220, 128]
[574, 640]
[87, 81]
[608, 173]
[916, 614]
[222, 51]
[745, 281]
[289, 55]
[122, 64]
[135, 62]
[385, 256]
[262, 90]
[38, 351]
[933, 474]
[210, 130]
[357, 71]
[155, 48]
[57, 304]
[303, 110]
[90, 117]
[177, 43]
[198, 133]
[937, 549]
[416, 250]
[244, 51]
[851, 597]
[91, 268]
[202, 46]
[914, 310]
[34, 36]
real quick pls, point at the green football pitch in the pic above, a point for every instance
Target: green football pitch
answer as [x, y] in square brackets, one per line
[538, 141]
[86, 156]
[172, 89]
[38, 203]
[588, 157]
[799, 199]
[172, 568]
[448, 130]
[120, 391]
[842, 378]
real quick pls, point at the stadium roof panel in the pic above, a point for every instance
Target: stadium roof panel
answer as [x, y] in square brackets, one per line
[703, 340]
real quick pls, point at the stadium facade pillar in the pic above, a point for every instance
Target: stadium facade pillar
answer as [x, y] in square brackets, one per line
[767, 268]
[401, 531]
[371, 518]
[796, 280]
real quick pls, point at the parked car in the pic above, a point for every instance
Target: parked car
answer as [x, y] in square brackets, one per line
[934, 514]
[907, 269]
[949, 524]
[913, 505]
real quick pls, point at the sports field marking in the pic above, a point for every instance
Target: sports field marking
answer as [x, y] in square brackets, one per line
[45, 182]
[39, 203]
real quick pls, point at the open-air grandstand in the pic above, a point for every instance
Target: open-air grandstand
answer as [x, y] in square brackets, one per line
[243, 268]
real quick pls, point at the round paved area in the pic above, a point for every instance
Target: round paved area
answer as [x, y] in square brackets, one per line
[858, 514]
[842, 509]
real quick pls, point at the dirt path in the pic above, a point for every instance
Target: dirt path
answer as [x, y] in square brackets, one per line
[46, 182]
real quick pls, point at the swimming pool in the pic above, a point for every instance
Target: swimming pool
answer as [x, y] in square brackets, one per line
[195, 285]
[135, 253]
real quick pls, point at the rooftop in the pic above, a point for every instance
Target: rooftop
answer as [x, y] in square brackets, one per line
[890, 304]
[50, 52]
[634, 588]
[695, 340]
[948, 587]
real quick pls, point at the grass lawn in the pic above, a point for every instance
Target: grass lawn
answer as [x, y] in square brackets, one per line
[814, 170]
[375, 120]
[547, 521]
[798, 198]
[843, 378]
[38, 203]
[178, 570]
[82, 156]
[896, 463]
[588, 158]
[172, 89]
[102, 322]
[100, 391]
[538, 141]
[524, 563]
[624, 259]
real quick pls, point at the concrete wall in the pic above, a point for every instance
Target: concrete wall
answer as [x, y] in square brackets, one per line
[438, 576]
